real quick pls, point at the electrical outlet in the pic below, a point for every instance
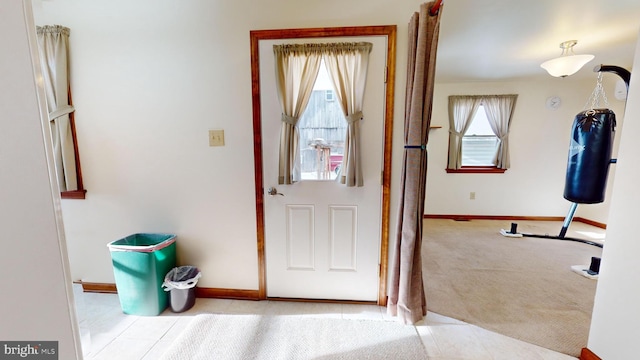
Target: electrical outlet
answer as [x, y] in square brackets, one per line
[472, 195]
[216, 137]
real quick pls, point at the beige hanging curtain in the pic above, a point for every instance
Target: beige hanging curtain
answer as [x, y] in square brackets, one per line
[406, 292]
[347, 65]
[53, 46]
[499, 109]
[461, 110]
[297, 67]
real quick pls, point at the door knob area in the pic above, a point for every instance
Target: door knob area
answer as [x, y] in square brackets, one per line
[273, 191]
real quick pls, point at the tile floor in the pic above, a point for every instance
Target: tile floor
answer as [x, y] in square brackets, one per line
[109, 334]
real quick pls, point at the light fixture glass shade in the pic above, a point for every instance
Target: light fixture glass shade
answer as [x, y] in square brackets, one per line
[566, 65]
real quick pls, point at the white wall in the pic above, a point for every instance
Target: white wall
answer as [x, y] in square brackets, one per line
[539, 142]
[37, 300]
[149, 79]
[614, 323]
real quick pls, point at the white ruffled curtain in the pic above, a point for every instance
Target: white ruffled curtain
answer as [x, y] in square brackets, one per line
[499, 109]
[297, 67]
[461, 111]
[53, 45]
[347, 65]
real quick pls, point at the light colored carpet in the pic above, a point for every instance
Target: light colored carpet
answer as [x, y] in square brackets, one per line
[523, 288]
[212, 336]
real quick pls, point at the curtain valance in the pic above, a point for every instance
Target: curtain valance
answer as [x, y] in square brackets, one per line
[322, 49]
[483, 97]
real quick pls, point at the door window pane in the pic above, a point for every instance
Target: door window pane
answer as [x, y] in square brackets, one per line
[322, 129]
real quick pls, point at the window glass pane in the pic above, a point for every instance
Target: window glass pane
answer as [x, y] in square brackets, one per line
[322, 129]
[479, 144]
[479, 124]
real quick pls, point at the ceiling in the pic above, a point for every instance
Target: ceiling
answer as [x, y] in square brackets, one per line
[498, 40]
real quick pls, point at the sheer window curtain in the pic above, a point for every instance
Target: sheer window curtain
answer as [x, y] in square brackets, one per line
[297, 67]
[347, 65]
[499, 111]
[53, 45]
[461, 111]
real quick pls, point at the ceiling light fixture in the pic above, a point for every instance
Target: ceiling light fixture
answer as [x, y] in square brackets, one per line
[568, 63]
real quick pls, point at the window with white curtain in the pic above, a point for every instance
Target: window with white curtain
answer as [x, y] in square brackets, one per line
[322, 130]
[53, 50]
[479, 132]
[479, 143]
[297, 68]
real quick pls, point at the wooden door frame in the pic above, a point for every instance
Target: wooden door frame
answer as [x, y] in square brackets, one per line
[357, 31]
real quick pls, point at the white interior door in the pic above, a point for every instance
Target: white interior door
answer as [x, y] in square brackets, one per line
[322, 239]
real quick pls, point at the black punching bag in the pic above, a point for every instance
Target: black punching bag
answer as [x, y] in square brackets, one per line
[589, 156]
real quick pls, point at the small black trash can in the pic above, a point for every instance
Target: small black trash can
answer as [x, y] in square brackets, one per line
[180, 282]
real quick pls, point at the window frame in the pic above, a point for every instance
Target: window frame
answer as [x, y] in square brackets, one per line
[474, 169]
[478, 168]
[329, 96]
[79, 194]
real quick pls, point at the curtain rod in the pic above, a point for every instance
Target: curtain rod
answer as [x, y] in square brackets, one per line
[435, 8]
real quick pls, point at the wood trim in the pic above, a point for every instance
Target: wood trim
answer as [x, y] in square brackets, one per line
[228, 294]
[587, 354]
[217, 293]
[81, 192]
[501, 217]
[493, 217]
[591, 222]
[99, 288]
[345, 31]
[386, 171]
[255, 36]
[323, 301]
[77, 194]
[257, 158]
[476, 170]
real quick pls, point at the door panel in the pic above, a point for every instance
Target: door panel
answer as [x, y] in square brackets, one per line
[300, 237]
[343, 225]
[322, 239]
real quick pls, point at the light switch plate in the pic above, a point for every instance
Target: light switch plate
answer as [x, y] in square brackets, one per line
[216, 137]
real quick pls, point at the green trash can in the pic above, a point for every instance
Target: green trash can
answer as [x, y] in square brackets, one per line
[140, 263]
